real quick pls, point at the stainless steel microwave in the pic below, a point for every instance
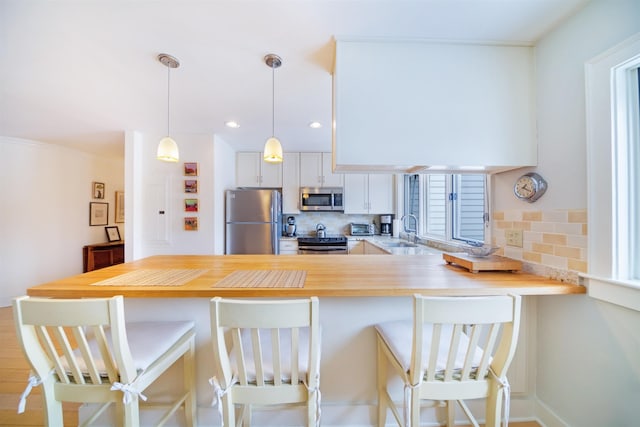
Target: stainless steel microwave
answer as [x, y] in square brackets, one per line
[321, 199]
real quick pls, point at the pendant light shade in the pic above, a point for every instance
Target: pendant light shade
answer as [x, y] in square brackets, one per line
[167, 148]
[273, 148]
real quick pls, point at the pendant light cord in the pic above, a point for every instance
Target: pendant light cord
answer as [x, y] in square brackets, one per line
[168, 96]
[273, 100]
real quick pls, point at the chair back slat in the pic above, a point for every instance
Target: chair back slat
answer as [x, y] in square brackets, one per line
[474, 332]
[295, 350]
[488, 349]
[238, 349]
[106, 355]
[257, 355]
[276, 356]
[91, 370]
[49, 353]
[71, 362]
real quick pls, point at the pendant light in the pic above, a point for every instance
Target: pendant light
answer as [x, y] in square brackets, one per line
[167, 148]
[273, 148]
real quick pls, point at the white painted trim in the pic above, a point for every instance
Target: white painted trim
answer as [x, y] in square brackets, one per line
[620, 292]
[546, 417]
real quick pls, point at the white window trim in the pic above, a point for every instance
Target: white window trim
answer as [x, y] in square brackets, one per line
[606, 257]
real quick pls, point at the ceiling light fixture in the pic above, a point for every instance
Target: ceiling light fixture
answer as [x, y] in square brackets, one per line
[315, 125]
[232, 124]
[273, 148]
[167, 148]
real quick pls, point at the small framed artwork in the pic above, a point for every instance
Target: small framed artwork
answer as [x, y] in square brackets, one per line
[191, 169]
[191, 223]
[119, 206]
[113, 233]
[98, 190]
[98, 213]
[191, 205]
[190, 185]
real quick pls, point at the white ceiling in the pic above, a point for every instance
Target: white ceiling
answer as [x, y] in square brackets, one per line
[80, 73]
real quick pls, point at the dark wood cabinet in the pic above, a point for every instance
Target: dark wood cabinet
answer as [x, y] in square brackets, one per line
[102, 255]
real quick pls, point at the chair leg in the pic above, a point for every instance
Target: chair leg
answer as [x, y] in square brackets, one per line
[312, 409]
[52, 407]
[381, 385]
[132, 413]
[494, 405]
[228, 411]
[190, 404]
[415, 408]
[451, 413]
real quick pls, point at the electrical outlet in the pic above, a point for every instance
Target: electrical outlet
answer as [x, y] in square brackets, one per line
[514, 238]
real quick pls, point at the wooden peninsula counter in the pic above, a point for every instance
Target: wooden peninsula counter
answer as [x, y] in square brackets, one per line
[204, 276]
[356, 292]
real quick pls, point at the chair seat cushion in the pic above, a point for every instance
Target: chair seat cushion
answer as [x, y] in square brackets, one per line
[147, 342]
[398, 336]
[267, 355]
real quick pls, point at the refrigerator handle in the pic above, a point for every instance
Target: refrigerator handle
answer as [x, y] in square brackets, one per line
[275, 239]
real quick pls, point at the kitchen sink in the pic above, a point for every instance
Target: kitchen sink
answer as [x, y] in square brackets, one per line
[400, 245]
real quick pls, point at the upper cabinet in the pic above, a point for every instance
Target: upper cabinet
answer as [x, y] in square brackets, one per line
[368, 193]
[410, 106]
[315, 171]
[252, 171]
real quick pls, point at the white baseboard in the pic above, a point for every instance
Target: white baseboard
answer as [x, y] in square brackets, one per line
[546, 417]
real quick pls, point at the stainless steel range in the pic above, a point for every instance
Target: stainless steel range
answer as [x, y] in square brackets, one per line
[330, 245]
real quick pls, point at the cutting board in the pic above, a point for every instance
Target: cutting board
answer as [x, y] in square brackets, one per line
[488, 263]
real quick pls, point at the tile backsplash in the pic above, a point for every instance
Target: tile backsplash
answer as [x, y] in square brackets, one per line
[554, 243]
[336, 223]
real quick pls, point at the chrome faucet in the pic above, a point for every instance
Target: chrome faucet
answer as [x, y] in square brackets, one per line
[410, 230]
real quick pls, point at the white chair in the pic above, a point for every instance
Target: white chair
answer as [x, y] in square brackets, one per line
[274, 357]
[80, 350]
[456, 348]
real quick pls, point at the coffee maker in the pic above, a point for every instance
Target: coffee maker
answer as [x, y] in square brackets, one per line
[385, 225]
[290, 229]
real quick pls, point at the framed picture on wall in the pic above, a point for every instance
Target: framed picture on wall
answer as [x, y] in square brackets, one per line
[98, 190]
[113, 233]
[190, 185]
[191, 205]
[191, 223]
[98, 213]
[191, 169]
[119, 206]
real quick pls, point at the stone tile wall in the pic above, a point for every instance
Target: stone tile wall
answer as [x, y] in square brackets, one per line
[554, 241]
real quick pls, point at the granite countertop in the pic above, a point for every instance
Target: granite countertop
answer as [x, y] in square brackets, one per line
[396, 246]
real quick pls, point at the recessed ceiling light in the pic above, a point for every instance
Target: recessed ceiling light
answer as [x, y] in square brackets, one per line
[232, 124]
[315, 125]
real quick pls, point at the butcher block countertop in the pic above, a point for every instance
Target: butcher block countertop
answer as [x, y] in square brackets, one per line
[192, 276]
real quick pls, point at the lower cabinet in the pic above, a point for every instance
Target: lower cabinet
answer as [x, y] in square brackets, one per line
[356, 247]
[288, 247]
[102, 255]
[363, 247]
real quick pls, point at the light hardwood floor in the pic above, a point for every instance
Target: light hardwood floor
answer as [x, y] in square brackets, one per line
[14, 372]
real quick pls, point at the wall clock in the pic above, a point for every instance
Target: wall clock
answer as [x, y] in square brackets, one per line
[530, 187]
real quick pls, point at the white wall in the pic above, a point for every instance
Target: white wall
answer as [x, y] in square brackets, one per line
[588, 355]
[45, 191]
[159, 187]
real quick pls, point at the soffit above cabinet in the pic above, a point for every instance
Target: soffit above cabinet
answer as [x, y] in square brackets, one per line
[419, 106]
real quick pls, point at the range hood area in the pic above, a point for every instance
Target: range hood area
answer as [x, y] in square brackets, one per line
[421, 107]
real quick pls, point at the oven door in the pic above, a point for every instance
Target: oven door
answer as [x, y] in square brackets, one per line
[322, 250]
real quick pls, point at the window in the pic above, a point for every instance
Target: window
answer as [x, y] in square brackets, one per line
[448, 206]
[613, 137]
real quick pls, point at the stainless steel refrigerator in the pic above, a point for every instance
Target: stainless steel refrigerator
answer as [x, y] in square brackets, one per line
[253, 221]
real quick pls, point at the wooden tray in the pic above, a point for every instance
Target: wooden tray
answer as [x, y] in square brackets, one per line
[476, 264]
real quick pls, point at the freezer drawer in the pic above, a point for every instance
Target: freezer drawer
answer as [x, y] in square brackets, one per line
[252, 238]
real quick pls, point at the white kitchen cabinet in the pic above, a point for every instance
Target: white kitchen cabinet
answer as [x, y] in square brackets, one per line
[433, 104]
[252, 171]
[368, 193]
[315, 171]
[288, 247]
[290, 183]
